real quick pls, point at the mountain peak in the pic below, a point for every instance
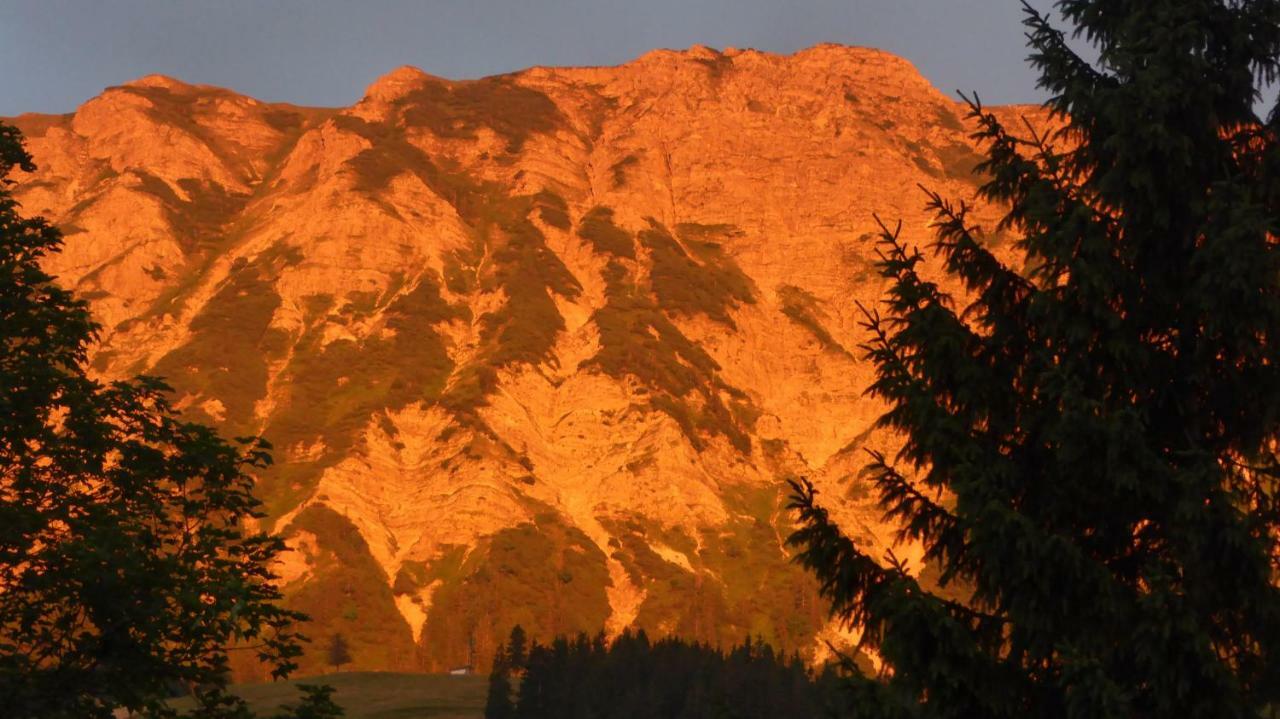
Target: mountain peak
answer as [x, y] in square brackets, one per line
[702, 51]
[397, 83]
[158, 80]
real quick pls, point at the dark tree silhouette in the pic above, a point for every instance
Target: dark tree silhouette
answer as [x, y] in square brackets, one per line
[498, 703]
[631, 678]
[338, 652]
[1089, 443]
[517, 647]
[317, 703]
[125, 565]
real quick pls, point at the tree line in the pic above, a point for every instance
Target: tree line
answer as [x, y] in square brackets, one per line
[633, 677]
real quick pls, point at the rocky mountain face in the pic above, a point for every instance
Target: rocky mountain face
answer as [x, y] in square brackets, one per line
[537, 348]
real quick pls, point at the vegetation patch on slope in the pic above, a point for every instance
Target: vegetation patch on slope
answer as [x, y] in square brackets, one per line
[348, 593]
[231, 343]
[767, 594]
[544, 575]
[705, 282]
[182, 108]
[739, 581]
[717, 66]
[954, 160]
[198, 222]
[212, 218]
[331, 390]
[509, 254]
[455, 109]
[802, 308]
[606, 238]
[552, 209]
[619, 170]
[447, 567]
[638, 340]
[677, 601]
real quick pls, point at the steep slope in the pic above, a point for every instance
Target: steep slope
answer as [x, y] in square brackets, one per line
[536, 348]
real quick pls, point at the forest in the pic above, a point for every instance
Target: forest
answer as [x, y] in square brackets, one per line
[632, 677]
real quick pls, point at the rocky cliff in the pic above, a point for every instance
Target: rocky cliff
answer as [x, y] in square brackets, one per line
[536, 348]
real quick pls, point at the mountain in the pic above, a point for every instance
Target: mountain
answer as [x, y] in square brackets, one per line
[537, 348]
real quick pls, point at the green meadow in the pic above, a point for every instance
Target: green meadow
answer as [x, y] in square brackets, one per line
[376, 695]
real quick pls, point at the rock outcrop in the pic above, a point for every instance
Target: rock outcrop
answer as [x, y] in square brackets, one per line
[537, 348]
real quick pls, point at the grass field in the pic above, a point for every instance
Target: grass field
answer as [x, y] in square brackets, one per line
[378, 695]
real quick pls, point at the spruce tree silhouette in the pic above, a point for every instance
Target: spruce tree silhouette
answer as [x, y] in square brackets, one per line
[498, 704]
[516, 648]
[1090, 441]
[338, 652]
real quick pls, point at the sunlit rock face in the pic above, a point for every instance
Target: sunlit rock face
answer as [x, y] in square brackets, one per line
[538, 348]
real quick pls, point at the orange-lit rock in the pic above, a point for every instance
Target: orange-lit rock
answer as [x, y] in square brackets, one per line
[537, 348]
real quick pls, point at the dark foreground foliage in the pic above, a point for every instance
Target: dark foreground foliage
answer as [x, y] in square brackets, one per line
[1090, 437]
[126, 566]
[633, 678]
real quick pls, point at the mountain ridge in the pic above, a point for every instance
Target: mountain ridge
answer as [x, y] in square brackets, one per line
[536, 347]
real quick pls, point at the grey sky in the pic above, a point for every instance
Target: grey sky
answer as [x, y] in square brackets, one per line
[58, 53]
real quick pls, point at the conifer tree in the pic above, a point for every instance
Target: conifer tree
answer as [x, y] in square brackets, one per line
[317, 703]
[1089, 439]
[498, 704]
[338, 652]
[517, 646]
[631, 679]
